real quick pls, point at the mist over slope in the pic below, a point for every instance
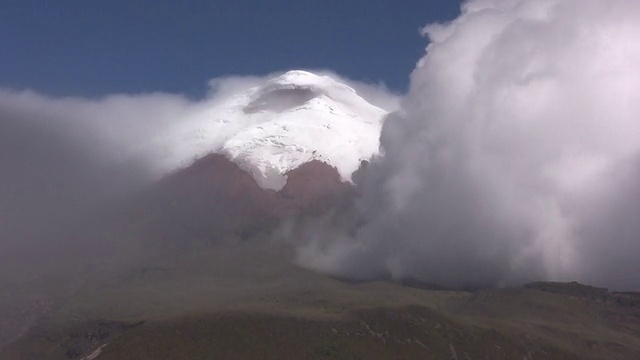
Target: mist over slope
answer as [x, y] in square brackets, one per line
[64, 157]
[515, 155]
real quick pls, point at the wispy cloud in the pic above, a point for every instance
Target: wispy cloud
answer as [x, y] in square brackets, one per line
[62, 156]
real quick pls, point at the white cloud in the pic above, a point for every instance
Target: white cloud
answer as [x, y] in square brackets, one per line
[520, 132]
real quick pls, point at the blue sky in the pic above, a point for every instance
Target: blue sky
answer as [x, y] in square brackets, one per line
[91, 48]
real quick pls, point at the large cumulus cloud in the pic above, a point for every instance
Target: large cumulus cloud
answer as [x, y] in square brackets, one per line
[515, 155]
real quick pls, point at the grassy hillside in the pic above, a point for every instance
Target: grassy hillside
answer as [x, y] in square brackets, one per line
[242, 301]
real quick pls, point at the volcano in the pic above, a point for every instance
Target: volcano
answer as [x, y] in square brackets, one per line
[291, 148]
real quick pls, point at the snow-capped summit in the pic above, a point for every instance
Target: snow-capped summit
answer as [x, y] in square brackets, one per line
[286, 122]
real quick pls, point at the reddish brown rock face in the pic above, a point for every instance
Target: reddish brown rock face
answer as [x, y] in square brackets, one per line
[315, 185]
[211, 200]
[214, 197]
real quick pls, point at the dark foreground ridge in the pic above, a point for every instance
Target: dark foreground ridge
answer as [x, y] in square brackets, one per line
[358, 321]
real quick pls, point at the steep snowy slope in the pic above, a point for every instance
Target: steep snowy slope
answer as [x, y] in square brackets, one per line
[291, 120]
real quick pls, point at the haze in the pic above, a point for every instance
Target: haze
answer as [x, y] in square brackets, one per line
[514, 156]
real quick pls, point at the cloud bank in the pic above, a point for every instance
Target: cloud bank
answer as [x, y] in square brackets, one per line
[515, 155]
[62, 157]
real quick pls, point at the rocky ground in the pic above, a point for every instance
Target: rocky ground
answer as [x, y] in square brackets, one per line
[197, 305]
